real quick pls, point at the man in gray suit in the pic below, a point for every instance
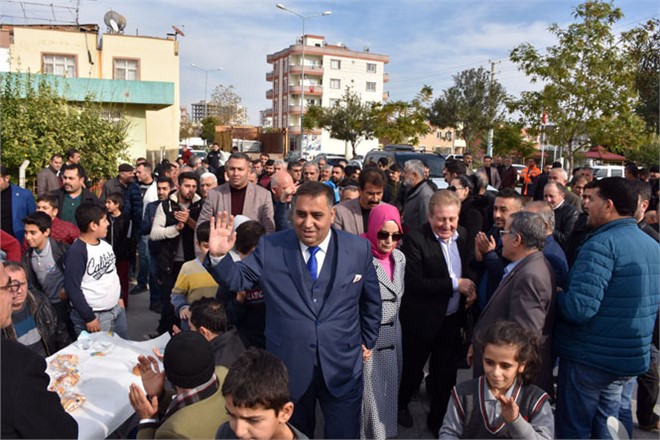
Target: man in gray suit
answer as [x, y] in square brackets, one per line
[239, 196]
[526, 294]
[353, 215]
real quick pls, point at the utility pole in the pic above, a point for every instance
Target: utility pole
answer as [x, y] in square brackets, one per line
[489, 148]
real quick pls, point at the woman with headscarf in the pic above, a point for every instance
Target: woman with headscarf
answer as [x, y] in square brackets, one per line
[382, 370]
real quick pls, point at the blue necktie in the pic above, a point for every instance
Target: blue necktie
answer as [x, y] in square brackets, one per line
[312, 265]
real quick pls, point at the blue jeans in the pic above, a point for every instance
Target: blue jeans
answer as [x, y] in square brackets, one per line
[113, 320]
[586, 397]
[143, 261]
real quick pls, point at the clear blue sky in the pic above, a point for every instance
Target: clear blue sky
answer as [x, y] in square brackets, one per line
[428, 41]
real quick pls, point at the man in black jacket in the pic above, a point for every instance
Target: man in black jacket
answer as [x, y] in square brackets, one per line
[34, 322]
[28, 409]
[174, 228]
[439, 286]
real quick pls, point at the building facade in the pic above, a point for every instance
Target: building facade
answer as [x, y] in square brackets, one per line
[321, 76]
[134, 77]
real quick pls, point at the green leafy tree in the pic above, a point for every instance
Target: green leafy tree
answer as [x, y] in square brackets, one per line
[588, 81]
[508, 140]
[472, 105]
[404, 122]
[37, 123]
[208, 128]
[643, 45]
[351, 120]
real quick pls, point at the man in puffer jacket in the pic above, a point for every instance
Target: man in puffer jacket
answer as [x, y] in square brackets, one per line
[34, 322]
[605, 317]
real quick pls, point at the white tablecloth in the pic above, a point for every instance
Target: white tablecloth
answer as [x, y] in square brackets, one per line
[105, 380]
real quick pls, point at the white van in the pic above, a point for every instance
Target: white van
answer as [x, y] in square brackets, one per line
[601, 171]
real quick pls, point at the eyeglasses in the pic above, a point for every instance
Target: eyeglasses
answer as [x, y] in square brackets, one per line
[505, 232]
[13, 286]
[454, 188]
[382, 235]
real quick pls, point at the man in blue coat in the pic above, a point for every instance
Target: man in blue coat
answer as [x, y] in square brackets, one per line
[16, 204]
[323, 306]
[605, 317]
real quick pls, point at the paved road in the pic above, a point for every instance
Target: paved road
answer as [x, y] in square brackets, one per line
[142, 321]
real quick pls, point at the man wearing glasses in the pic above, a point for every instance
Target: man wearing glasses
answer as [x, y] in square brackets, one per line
[34, 322]
[526, 293]
[28, 409]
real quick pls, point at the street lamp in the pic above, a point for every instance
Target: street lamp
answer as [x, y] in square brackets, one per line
[302, 70]
[206, 81]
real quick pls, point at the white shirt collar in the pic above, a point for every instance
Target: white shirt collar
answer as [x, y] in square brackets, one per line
[453, 237]
[323, 245]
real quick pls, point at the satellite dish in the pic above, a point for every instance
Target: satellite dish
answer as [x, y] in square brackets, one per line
[115, 22]
[178, 31]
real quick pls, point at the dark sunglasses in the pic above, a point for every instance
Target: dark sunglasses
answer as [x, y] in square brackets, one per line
[454, 188]
[382, 235]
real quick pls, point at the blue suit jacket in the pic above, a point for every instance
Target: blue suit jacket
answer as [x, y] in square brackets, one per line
[22, 205]
[297, 330]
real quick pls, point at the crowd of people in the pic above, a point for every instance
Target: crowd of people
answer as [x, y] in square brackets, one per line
[285, 284]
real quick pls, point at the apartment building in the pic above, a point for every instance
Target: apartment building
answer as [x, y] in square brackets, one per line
[135, 77]
[321, 72]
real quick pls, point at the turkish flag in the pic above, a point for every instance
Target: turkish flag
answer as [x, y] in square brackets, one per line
[311, 89]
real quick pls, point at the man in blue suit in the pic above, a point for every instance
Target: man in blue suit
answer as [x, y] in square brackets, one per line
[323, 306]
[17, 203]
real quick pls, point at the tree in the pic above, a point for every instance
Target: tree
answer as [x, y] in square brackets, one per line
[643, 46]
[588, 82]
[351, 120]
[472, 105]
[403, 122]
[208, 128]
[37, 123]
[227, 106]
[508, 140]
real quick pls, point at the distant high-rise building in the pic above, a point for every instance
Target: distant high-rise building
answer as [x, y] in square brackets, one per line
[328, 71]
[228, 115]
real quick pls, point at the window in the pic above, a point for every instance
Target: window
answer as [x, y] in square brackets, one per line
[126, 69]
[371, 68]
[335, 64]
[371, 86]
[334, 102]
[335, 83]
[448, 135]
[61, 65]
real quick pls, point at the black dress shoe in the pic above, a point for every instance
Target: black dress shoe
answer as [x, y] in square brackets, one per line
[404, 418]
[156, 308]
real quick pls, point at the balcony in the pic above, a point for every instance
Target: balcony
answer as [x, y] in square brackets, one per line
[268, 112]
[386, 96]
[309, 90]
[295, 130]
[296, 69]
[269, 76]
[294, 109]
[386, 77]
[269, 94]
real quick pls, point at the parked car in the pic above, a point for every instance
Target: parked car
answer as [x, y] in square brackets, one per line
[602, 171]
[435, 162]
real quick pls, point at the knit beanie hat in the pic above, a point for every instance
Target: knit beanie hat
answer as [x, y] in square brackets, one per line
[188, 360]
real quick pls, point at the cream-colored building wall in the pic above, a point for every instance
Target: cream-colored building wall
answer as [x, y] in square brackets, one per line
[158, 60]
[150, 127]
[29, 45]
